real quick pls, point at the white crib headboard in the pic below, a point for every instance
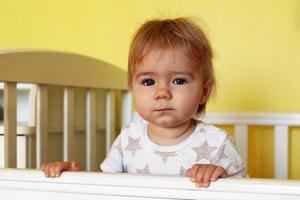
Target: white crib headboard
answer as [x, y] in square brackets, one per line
[59, 68]
[69, 70]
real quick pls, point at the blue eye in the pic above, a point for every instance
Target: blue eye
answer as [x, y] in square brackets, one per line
[148, 82]
[179, 81]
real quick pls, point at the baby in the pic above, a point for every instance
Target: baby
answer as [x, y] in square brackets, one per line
[170, 75]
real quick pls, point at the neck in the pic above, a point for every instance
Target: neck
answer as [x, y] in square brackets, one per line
[170, 136]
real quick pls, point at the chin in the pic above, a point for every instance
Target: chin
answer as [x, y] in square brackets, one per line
[167, 123]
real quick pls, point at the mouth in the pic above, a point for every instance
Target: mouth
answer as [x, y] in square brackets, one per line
[163, 109]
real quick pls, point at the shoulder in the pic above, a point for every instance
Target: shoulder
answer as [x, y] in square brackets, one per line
[211, 132]
[135, 128]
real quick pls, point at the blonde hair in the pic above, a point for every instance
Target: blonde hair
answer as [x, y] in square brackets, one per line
[179, 33]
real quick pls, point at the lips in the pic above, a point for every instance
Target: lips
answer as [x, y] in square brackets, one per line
[163, 109]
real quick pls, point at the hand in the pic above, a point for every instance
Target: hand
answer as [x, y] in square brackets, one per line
[203, 174]
[54, 169]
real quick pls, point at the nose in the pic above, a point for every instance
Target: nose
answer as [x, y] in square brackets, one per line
[163, 92]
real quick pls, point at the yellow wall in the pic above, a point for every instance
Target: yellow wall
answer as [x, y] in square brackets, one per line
[256, 42]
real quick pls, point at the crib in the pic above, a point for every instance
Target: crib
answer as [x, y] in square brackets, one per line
[45, 69]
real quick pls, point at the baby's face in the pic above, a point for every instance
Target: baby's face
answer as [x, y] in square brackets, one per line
[167, 88]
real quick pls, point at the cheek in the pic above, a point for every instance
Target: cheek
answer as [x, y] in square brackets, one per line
[188, 102]
[141, 100]
[142, 106]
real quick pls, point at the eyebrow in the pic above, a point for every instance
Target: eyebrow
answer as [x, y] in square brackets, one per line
[144, 74]
[187, 73]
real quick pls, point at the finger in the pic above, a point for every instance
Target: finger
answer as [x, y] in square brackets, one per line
[52, 169]
[224, 174]
[199, 175]
[46, 170]
[65, 166]
[188, 172]
[219, 172]
[193, 172]
[74, 166]
[207, 175]
[58, 169]
[43, 166]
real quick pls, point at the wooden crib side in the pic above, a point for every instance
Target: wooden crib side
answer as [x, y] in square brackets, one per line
[46, 68]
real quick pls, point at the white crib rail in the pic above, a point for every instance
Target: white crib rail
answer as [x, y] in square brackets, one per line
[31, 184]
[281, 123]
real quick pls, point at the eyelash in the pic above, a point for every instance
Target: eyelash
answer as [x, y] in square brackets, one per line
[150, 81]
[182, 81]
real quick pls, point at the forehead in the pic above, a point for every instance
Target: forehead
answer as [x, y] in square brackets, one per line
[164, 60]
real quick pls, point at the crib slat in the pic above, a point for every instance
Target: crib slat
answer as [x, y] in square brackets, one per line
[110, 118]
[126, 108]
[32, 105]
[21, 152]
[2, 151]
[42, 126]
[241, 139]
[281, 150]
[10, 125]
[91, 130]
[68, 133]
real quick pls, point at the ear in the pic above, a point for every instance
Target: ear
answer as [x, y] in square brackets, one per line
[129, 85]
[206, 90]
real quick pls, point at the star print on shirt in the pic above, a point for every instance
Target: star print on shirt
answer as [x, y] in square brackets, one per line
[238, 167]
[204, 151]
[221, 153]
[145, 170]
[133, 145]
[165, 155]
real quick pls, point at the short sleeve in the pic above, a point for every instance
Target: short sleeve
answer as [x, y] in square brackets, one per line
[114, 160]
[229, 158]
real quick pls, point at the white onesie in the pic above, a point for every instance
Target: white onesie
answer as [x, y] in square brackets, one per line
[134, 152]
